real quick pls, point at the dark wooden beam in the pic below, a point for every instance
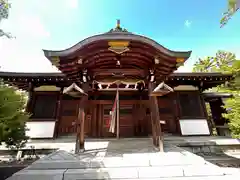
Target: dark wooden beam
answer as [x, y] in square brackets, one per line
[58, 112]
[30, 97]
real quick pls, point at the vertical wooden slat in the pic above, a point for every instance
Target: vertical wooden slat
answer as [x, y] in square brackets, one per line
[100, 120]
[134, 113]
[95, 108]
[96, 120]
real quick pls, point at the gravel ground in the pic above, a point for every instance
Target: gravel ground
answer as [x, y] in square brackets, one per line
[8, 168]
[17, 163]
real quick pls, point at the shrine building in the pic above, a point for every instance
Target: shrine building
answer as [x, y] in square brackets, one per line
[151, 97]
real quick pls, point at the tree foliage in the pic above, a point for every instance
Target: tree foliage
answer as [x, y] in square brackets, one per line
[233, 7]
[234, 115]
[12, 116]
[225, 62]
[4, 12]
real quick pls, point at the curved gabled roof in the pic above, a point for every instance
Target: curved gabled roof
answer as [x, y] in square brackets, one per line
[137, 52]
[117, 34]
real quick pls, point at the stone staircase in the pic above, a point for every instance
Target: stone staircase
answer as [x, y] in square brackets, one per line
[125, 159]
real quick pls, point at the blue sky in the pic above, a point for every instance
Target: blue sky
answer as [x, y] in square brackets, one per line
[59, 24]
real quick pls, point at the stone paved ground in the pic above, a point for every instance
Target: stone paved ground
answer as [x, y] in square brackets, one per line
[125, 159]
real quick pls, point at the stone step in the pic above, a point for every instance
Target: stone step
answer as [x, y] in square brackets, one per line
[101, 164]
[68, 161]
[187, 172]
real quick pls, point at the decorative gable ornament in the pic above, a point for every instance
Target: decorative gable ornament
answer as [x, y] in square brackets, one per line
[55, 61]
[161, 90]
[157, 61]
[179, 64]
[118, 47]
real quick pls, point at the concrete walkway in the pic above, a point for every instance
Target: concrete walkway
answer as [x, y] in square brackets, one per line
[125, 159]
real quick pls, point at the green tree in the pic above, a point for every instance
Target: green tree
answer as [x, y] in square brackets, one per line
[233, 7]
[233, 115]
[225, 62]
[4, 12]
[12, 116]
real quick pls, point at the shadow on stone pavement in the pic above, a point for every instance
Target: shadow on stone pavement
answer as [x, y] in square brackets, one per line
[120, 159]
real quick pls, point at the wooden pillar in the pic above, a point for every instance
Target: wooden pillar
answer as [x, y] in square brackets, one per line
[150, 88]
[80, 140]
[30, 97]
[58, 113]
[156, 127]
[82, 133]
[80, 126]
[118, 132]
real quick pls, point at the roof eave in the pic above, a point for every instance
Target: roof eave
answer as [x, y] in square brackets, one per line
[116, 36]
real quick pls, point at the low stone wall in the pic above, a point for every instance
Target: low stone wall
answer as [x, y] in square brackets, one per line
[220, 155]
[205, 148]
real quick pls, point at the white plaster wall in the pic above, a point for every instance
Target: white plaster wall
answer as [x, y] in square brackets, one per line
[194, 127]
[40, 129]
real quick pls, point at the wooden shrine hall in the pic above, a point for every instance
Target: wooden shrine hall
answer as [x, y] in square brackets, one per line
[116, 84]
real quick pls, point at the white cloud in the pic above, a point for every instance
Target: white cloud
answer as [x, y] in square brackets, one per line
[18, 57]
[37, 28]
[26, 23]
[188, 23]
[26, 26]
[72, 3]
[23, 53]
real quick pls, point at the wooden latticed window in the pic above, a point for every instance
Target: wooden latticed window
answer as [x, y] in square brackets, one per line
[190, 105]
[44, 106]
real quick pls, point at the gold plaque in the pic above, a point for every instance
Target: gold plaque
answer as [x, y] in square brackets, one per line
[180, 60]
[118, 47]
